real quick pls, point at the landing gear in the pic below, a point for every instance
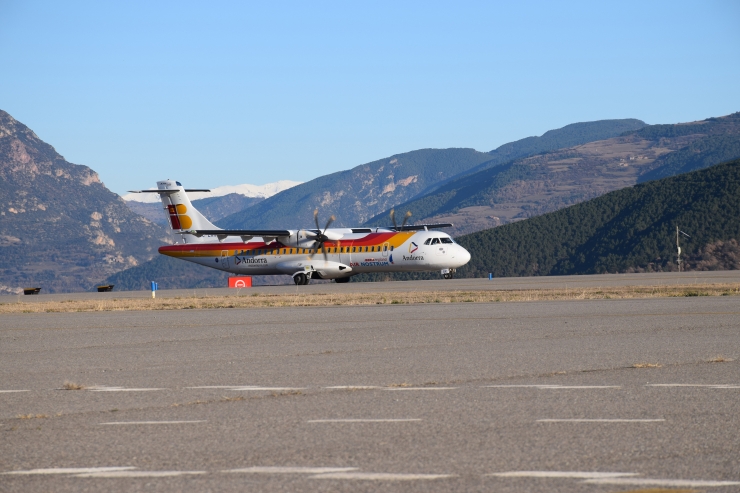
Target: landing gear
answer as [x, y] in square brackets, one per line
[342, 280]
[448, 273]
[301, 279]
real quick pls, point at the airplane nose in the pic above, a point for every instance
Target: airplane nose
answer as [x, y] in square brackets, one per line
[464, 256]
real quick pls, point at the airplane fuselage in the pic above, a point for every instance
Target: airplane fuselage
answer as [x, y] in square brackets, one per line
[360, 250]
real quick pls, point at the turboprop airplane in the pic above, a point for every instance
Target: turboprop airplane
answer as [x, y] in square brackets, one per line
[344, 251]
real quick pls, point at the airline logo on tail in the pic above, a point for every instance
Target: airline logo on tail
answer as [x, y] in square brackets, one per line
[178, 219]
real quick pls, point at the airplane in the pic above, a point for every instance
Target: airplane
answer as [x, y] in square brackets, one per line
[345, 252]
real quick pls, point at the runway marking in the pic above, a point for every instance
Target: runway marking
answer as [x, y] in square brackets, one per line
[679, 483]
[68, 470]
[359, 420]
[702, 385]
[554, 387]
[11, 391]
[290, 470]
[239, 388]
[119, 389]
[138, 474]
[152, 422]
[561, 474]
[381, 476]
[600, 420]
[351, 387]
[419, 388]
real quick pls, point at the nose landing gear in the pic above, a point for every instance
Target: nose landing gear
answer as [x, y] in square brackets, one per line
[448, 273]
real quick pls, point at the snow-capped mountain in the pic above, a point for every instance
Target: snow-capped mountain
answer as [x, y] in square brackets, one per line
[259, 191]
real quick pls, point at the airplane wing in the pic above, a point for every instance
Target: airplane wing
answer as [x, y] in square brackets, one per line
[420, 227]
[270, 233]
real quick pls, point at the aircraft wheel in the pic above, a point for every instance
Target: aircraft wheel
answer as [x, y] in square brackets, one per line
[300, 279]
[446, 276]
[341, 280]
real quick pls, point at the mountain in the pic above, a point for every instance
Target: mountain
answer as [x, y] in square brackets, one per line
[214, 208]
[548, 181]
[355, 195]
[60, 227]
[359, 193]
[629, 230]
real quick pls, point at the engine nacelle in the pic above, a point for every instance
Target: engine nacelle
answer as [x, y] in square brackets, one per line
[326, 269]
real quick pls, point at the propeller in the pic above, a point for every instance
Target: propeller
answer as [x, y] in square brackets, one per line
[405, 219]
[321, 237]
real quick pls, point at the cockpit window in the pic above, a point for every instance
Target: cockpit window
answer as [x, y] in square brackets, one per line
[429, 240]
[435, 241]
[446, 240]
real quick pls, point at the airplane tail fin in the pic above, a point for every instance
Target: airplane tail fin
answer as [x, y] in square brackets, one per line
[181, 214]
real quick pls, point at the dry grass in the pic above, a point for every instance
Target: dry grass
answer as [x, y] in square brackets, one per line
[647, 365]
[32, 416]
[72, 386]
[719, 359]
[259, 300]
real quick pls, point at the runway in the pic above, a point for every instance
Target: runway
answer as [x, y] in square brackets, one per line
[503, 283]
[572, 396]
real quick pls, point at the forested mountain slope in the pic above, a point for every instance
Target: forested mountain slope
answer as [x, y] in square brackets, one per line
[628, 230]
[548, 181]
[60, 227]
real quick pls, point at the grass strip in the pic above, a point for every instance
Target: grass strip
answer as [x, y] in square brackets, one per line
[258, 300]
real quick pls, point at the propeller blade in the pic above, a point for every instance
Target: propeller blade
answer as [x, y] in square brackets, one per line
[331, 220]
[393, 218]
[316, 219]
[405, 218]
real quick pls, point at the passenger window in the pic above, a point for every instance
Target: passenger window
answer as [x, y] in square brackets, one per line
[354, 249]
[435, 241]
[429, 240]
[291, 250]
[391, 248]
[385, 248]
[446, 240]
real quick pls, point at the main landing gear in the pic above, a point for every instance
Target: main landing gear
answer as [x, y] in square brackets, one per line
[301, 279]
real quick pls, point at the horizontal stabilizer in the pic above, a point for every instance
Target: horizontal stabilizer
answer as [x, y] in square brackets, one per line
[170, 191]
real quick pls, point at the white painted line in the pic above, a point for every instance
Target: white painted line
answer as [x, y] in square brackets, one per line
[11, 391]
[152, 422]
[274, 389]
[138, 474]
[290, 470]
[352, 387]
[248, 387]
[600, 420]
[703, 385]
[560, 474]
[380, 476]
[119, 389]
[679, 483]
[554, 387]
[68, 470]
[399, 420]
[419, 388]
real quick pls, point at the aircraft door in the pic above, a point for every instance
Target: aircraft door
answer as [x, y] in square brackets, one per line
[225, 259]
[386, 247]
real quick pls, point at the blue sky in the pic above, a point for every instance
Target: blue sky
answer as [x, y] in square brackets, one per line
[217, 93]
